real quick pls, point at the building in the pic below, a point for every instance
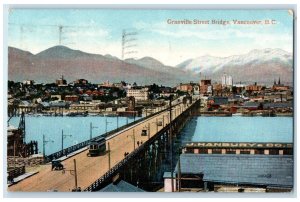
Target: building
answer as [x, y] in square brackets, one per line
[254, 88]
[139, 94]
[28, 82]
[121, 186]
[233, 166]
[206, 87]
[217, 89]
[84, 107]
[279, 87]
[273, 173]
[238, 148]
[61, 81]
[81, 81]
[71, 98]
[196, 89]
[185, 87]
[226, 80]
[131, 103]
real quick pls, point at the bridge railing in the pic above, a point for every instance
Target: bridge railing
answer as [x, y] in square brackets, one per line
[83, 144]
[106, 178]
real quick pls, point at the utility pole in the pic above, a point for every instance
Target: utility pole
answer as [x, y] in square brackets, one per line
[74, 173]
[63, 136]
[75, 170]
[91, 130]
[106, 122]
[108, 148]
[117, 121]
[44, 144]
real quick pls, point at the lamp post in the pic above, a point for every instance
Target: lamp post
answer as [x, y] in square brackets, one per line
[91, 130]
[63, 136]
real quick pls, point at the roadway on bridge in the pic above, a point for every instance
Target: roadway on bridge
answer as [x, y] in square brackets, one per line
[89, 169]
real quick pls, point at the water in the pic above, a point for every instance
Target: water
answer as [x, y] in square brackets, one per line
[77, 127]
[198, 129]
[239, 129]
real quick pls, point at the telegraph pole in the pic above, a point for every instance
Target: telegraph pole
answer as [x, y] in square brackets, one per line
[108, 148]
[75, 173]
[63, 136]
[91, 130]
[44, 144]
[106, 122]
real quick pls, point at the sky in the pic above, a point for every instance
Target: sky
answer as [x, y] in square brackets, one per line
[100, 31]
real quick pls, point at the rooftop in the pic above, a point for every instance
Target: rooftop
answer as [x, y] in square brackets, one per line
[121, 186]
[269, 170]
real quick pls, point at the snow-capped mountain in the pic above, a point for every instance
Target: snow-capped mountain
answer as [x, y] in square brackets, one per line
[256, 65]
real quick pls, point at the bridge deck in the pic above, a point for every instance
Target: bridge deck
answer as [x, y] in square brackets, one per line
[90, 169]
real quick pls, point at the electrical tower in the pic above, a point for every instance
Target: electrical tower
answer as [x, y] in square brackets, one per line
[128, 43]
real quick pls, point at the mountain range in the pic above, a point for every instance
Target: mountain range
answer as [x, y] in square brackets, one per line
[258, 65]
[47, 66]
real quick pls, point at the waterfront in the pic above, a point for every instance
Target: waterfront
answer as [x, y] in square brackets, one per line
[198, 129]
[77, 127]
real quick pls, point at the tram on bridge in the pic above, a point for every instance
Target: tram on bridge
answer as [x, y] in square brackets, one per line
[97, 147]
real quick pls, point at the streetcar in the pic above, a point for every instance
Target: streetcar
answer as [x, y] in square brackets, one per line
[97, 147]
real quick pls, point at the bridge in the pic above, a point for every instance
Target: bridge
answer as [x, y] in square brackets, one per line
[148, 156]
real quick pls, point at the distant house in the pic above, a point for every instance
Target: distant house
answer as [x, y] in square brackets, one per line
[254, 88]
[216, 102]
[71, 98]
[28, 82]
[81, 81]
[140, 94]
[185, 87]
[61, 81]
